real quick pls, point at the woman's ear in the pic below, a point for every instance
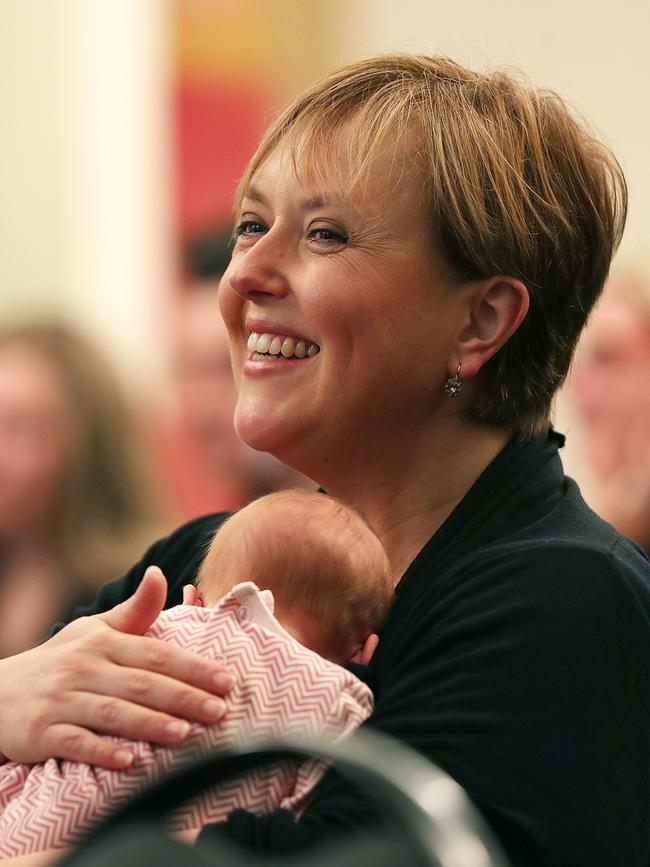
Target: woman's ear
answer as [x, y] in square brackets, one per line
[497, 308]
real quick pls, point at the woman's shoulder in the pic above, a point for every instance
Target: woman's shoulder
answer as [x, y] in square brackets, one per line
[537, 619]
[606, 556]
[557, 577]
[541, 588]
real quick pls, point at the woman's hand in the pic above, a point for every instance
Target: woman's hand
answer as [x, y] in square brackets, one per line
[100, 675]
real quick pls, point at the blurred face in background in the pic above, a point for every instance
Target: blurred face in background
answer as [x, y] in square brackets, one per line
[204, 377]
[612, 370]
[35, 440]
[609, 386]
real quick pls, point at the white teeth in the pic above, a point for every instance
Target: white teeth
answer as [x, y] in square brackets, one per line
[288, 346]
[278, 344]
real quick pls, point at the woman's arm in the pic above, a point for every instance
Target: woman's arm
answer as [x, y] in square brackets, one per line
[53, 856]
[100, 675]
[37, 859]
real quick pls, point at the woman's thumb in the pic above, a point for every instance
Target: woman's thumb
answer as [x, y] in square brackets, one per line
[138, 612]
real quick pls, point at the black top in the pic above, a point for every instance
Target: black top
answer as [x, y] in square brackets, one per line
[516, 657]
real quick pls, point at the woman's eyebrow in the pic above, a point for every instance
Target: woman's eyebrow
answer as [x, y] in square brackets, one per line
[254, 194]
[311, 203]
[317, 200]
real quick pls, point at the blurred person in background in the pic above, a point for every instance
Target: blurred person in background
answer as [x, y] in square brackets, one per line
[75, 507]
[610, 391]
[202, 465]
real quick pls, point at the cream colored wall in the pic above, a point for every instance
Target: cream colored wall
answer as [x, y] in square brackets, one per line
[32, 144]
[85, 172]
[593, 52]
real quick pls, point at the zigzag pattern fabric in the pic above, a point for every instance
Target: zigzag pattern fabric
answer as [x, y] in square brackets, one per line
[281, 689]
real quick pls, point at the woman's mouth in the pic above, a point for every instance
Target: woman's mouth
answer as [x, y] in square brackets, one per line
[280, 347]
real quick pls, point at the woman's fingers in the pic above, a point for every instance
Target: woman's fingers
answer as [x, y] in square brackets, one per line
[142, 705]
[72, 742]
[139, 611]
[189, 594]
[173, 662]
[107, 715]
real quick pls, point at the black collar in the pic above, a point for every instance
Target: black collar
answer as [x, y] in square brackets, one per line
[521, 484]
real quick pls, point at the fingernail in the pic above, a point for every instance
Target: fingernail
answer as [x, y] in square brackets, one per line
[223, 680]
[214, 708]
[178, 729]
[123, 758]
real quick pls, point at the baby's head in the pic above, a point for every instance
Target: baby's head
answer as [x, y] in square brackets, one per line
[328, 572]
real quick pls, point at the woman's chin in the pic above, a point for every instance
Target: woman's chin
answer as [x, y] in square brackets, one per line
[261, 430]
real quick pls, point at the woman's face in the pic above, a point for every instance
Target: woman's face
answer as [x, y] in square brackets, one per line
[354, 282]
[35, 440]
[610, 374]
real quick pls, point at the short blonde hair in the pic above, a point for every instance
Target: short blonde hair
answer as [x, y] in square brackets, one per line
[514, 184]
[315, 554]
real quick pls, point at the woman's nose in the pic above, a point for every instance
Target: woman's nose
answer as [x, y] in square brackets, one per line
[260, 270]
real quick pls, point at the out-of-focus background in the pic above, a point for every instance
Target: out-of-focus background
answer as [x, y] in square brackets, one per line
[125, 126]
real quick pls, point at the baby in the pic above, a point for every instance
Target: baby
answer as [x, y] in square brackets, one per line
[291, 588]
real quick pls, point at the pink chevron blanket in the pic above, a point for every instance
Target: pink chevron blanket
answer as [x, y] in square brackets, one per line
[281, 689]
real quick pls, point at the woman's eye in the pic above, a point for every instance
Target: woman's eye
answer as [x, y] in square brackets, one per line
[328, 236]
[249, 228]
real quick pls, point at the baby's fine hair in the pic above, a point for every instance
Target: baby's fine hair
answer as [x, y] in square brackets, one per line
[315, 554]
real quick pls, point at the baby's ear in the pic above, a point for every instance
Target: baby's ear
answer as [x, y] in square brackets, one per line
[191, 596]
[364, 654]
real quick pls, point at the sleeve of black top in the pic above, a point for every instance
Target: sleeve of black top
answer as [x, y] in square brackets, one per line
[527, 678]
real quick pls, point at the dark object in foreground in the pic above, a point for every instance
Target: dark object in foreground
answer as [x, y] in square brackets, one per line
[433, 823]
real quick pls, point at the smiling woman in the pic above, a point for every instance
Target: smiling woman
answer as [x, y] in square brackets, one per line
[417, 249]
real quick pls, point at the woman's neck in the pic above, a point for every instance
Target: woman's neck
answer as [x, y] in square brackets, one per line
[406, 491]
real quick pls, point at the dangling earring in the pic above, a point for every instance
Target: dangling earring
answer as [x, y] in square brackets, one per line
[453, 384]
